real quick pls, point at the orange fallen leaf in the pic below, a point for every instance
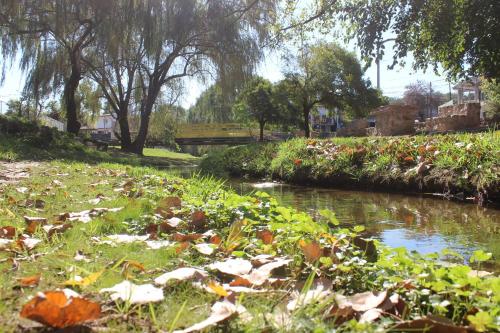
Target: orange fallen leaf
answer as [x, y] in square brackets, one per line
[181, 247]
[215, 239]
[59, 310]
[186, 237]
[266, 236]
[30, 281]
[312, 251]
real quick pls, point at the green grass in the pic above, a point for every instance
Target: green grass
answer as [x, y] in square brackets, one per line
[158, 152]
[80, 182]
[466, 163]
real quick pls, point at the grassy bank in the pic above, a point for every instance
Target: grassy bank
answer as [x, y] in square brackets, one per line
[458, 164]
[21, 140]
[57, 230]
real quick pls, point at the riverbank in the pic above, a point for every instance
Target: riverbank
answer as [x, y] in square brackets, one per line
[459, 165]
[21, 140]
[198, 254]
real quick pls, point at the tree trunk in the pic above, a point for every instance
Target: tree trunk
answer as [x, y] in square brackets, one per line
[125, 138]
[261, 127]
[70, 88]
[307, 130]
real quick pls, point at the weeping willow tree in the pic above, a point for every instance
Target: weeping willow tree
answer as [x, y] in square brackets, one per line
[49, 37]
[147, 46]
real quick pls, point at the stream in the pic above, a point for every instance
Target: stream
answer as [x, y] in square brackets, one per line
[418, 223]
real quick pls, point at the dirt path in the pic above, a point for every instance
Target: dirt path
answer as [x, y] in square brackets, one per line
[12, 173]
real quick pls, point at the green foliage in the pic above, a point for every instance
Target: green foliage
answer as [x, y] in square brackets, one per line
[213, 106]
[461, 36]
[331, 76]
[256, 103]
[465, 162]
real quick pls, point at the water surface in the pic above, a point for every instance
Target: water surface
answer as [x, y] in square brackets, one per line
[421, 224]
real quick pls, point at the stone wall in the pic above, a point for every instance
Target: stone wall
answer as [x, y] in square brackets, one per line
[455, 118]
[356, 127]
[394, 120]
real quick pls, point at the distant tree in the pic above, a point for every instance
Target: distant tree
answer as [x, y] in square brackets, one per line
[51, 36]
[331, 76]
[491, 90]
[461, 36]
[213, 106]
[422, 96]
[148, 45]
[256, 103]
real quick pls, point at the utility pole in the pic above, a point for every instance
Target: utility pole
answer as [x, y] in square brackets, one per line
[378, 58]
[449, 87]
[430, 99]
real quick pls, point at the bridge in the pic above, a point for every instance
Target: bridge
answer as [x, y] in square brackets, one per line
[215, 134]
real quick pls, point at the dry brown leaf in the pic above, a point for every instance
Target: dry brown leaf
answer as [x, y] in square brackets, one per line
[135, 294]
[198, 220]
[259, 276]
[170, 202]
[431, 324]
[204, 248]
[60, 309]
[237, 267]
[181, 247]
[186, 238]
[7, 232]
[361, 302]
[181, 274]
[30, 281]
[312, 250]
[215, 239]
[266, 236]
[221, 311]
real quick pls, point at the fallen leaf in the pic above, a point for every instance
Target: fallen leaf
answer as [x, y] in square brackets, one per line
[259, 276]
[134, 294]
[361, 302]
[312, 250]
[236, 267]
[60, 309]
[170, 202]
[158, 244]
[7, 232]
[30, 281]
[186, 238]
[181, 274]
[181, 247]
[127, 238]
[28, 243]
[204, 248]
[215, 239]
[5, 243]
[221, 311]
[320, 290]
[84, 282]
[266, 236]
[198, 220]
[431, 324]
[217, 288]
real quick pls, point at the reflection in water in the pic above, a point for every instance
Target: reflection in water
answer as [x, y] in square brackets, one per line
[421, 224]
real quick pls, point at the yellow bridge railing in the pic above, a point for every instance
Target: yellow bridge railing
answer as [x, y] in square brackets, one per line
[227, 130]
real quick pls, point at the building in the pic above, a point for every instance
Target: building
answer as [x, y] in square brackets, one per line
[103, 129]
[324, 123]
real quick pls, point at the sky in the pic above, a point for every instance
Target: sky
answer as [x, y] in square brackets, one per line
[393, 82]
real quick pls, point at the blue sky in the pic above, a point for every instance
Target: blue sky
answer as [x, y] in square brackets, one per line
[393, 82]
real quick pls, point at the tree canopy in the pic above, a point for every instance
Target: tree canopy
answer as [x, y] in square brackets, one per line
[331, 76]
[461, 36]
